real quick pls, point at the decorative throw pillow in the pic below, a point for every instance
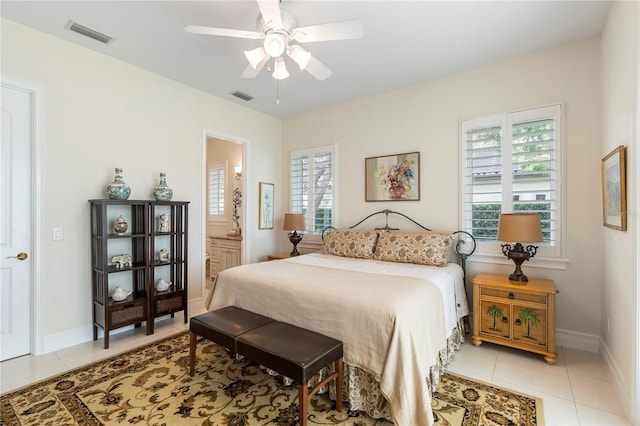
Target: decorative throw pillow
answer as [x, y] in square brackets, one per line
[423, 248]
[349, 243]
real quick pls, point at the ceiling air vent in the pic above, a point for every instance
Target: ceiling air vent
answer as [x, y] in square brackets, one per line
[88, 32]
[238, 94]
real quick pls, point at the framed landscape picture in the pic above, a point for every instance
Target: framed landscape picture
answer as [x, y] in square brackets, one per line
[265, 221]
[393, 177]
[614, 197]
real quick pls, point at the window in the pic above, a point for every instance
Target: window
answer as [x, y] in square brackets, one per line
[217, 173]
[312, 189]
[512, 163]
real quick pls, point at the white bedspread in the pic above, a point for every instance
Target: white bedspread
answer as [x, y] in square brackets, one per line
[390, 317]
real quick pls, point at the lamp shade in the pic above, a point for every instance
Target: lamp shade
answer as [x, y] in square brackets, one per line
[513, 227]
[255, 56]
[294, 222]
[279, 69]
[275, 43]
[299, 55]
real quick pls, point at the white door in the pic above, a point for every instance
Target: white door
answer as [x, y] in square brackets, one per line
[15, 222]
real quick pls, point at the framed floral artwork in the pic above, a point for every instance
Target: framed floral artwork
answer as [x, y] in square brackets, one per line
[393, 177]
[265, 221]
[614, 197]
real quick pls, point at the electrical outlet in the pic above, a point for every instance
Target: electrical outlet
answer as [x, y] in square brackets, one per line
[57, 234]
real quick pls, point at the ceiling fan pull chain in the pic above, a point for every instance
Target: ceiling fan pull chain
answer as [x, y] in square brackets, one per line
[277, 93]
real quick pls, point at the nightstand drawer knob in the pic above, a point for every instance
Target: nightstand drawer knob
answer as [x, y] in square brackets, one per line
[511, 296]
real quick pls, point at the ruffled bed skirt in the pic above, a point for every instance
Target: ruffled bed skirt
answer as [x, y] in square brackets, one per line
[362, 389]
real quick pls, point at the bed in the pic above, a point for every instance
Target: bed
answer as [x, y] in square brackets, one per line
[394, 298]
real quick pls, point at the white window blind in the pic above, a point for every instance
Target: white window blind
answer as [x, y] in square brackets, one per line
[217, 173]
[312, 188]
[512, 163]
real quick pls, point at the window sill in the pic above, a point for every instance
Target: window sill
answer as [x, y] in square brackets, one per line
[536, 262]
[312, 245]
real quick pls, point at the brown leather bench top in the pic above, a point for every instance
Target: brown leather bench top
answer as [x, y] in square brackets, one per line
[224, 325]
[291, 351]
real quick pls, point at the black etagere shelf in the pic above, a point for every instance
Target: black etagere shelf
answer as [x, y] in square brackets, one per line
[145, 303]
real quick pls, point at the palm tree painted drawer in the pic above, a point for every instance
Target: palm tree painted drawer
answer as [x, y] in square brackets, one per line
[519, 315]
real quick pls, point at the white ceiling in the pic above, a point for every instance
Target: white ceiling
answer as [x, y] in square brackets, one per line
[404, 43]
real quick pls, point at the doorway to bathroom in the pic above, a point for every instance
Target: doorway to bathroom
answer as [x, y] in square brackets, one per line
[224, 207]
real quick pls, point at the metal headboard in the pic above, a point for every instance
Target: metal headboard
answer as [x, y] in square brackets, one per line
[461, 239]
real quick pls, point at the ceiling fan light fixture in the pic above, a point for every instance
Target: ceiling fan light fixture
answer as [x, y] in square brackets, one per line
[279, 69]
[275, 43]
[299, 55]
[255, 56]
[277, 28]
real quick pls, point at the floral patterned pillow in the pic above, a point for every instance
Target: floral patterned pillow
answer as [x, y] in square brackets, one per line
[423, 248]
[349, 243]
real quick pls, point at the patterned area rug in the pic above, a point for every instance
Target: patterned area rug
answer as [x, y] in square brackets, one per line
[151, 386]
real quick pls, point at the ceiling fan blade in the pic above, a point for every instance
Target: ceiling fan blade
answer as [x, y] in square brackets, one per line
[318, 69]
[250, 72]
[333, 31]
[225, 32]
[270, 10]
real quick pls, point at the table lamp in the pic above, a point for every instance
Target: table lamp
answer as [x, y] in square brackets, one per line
[517, 228]
[294, 222]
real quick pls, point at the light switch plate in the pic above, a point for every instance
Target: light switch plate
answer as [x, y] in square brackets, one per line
[57, 234]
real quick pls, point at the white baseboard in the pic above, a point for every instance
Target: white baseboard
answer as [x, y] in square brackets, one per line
[577, 340]
[64, 339]
[623, 393]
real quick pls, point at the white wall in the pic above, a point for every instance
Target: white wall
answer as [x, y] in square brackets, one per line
[620, 44]
[425, 118]
[100, 113]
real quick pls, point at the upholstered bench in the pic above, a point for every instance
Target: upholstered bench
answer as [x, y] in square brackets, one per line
[222, 326]
[296, 353]
[292, 351]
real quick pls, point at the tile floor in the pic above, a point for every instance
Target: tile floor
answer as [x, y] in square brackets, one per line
[577, 390]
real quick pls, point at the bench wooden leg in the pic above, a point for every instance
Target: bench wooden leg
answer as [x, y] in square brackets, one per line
[338, 365]
[305, 396]
[192, 352]
[303, 401]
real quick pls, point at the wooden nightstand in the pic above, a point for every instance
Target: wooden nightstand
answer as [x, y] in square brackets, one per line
[519, 315]
[277, 256]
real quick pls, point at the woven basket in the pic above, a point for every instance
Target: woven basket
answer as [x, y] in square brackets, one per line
[128, 315]
[169, 305]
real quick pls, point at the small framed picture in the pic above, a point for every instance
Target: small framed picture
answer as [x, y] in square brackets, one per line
[265, 221]
[393, 177]
[614, 193]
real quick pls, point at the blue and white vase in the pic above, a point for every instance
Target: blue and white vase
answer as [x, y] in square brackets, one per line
[162, 192]
[118, 189]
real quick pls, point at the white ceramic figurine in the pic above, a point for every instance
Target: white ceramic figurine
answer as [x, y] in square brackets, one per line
[119, 294]
[162, 285]
[164, 223]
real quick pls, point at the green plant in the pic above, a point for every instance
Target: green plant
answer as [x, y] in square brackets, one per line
[530, 318]
[484, 224]
[495, 312]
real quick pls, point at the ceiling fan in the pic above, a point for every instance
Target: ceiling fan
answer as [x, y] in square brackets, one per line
[279, 29]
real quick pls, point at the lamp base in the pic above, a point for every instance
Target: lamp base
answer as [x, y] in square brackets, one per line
[295, 238]
[522, 278]
[518, 254]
